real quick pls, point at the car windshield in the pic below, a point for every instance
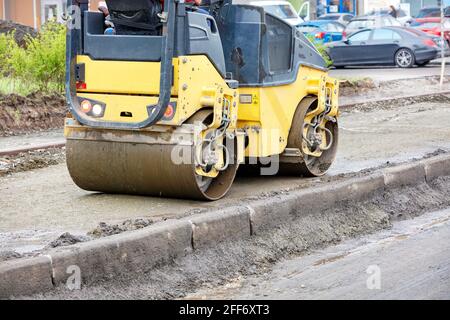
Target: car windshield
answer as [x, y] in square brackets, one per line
[360, 24]
[429, 13]
[283, 11]
[329, 18]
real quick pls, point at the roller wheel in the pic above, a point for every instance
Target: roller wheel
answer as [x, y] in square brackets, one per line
[143, 169]
[310, 166]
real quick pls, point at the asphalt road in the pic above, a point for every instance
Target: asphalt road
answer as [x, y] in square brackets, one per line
[388, 73]
[32, 139]
[410, 261]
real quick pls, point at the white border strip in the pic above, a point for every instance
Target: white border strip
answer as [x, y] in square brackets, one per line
[34, 15]
[4, 10]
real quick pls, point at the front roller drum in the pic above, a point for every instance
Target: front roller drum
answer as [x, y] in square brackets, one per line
[141, 169]
[309, 165]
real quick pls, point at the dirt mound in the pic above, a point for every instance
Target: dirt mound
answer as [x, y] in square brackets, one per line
[350, 87]
[104, 229]
[21, 32]
[9, 255]
[32, 113]
[67, 239]
[31, 160]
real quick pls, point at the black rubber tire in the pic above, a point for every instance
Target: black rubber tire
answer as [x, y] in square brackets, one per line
[404, 58]
[423, 64]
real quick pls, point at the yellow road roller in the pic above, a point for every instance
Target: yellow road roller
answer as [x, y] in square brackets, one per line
[169, 100]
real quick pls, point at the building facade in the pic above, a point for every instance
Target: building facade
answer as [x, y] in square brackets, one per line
[34, 13]
[416, 5]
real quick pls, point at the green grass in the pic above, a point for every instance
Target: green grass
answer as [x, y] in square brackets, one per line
[9, 86]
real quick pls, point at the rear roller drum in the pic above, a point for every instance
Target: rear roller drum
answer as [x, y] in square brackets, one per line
[143, 169]
[322, 142]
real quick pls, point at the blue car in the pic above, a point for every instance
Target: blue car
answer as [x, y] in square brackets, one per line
[322, 30]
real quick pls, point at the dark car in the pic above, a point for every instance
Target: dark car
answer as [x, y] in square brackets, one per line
[383, 46]
[373, 21]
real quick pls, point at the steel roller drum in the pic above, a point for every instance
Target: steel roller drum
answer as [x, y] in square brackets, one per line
[140, 169]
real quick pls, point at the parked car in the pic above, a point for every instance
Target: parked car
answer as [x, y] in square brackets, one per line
[436, 38]
[433, 26]
[322, 30]
[364, 22]
[432, 12]
[419, 21]
[429, 13]
[383, 46]
[402, 16]
[281, 9]
[343, 18]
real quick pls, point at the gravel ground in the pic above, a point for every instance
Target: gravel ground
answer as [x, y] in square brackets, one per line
[256, 256]
[43, 208]
[31, 160]
[369, 138]
[365, 89]
[410, 261]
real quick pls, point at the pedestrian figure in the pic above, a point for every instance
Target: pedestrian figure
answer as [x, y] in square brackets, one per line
[393, 11]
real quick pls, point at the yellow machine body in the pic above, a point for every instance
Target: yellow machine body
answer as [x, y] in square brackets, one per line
[260, 118]
[264, 113]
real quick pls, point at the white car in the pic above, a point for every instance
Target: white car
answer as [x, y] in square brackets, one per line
[402, 16]
[343, 18]
[281, 9]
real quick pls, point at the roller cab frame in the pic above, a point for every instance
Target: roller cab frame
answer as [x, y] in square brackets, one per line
[175, 111]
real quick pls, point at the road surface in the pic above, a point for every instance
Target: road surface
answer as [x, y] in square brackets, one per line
[411, 261]
[389, 73]
[32, 139]
[37, 206]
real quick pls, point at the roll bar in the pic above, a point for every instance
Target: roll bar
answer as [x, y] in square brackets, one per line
[74, 40]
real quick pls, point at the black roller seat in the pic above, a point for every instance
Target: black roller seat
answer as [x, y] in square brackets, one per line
[135, 17]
